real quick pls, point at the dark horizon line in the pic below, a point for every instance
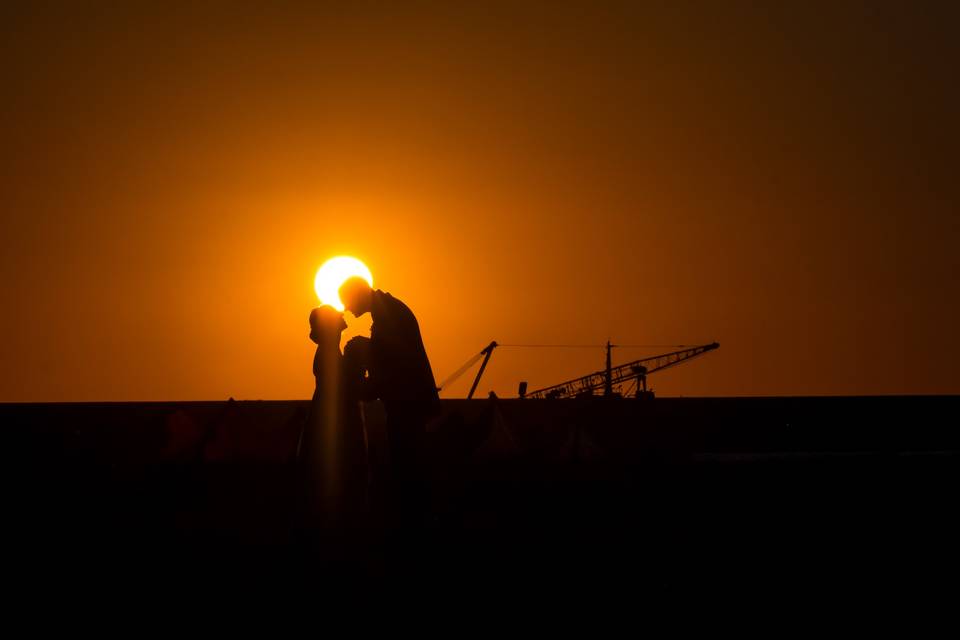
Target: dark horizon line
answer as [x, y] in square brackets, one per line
[486, 399]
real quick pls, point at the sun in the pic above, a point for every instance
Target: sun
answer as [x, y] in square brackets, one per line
[333, 273]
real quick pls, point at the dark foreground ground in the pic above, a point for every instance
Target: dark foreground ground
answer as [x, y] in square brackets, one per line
[798, 495]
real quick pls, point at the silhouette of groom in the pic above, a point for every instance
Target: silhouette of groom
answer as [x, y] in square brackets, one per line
[401, 377]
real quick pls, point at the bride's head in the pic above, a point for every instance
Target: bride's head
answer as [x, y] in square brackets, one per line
[326, 324]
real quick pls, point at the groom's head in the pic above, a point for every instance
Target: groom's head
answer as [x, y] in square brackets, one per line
[356, 295]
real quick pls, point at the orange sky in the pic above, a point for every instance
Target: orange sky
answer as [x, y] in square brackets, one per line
[782, 180]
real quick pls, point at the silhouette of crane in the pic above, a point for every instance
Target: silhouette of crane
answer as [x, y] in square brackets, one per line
[604, 381]
[485, 354]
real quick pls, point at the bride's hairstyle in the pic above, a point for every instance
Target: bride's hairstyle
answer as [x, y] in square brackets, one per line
[326, 321]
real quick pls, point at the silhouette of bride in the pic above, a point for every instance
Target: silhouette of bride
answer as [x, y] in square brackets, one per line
[332, 455]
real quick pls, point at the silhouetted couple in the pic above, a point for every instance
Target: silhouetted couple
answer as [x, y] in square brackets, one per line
[391, 365]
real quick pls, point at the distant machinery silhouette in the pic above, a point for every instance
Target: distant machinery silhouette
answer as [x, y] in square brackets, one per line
[620, 377]
[611, 381]
[485, 354]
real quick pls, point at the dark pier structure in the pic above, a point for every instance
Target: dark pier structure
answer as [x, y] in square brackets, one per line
[806, 493]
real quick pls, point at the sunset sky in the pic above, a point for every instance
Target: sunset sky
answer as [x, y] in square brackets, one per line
[780, 179]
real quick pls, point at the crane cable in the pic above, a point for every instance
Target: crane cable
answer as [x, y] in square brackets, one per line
[459, 372]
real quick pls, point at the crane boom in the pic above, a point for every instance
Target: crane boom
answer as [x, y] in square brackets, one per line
[613, 376]
[485, 354]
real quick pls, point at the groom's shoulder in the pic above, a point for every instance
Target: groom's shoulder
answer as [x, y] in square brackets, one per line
[388, 302]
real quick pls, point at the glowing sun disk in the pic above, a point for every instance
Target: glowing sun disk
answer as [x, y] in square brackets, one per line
[333, 273]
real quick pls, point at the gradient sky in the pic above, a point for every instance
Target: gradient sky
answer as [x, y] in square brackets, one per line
[782, 179]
